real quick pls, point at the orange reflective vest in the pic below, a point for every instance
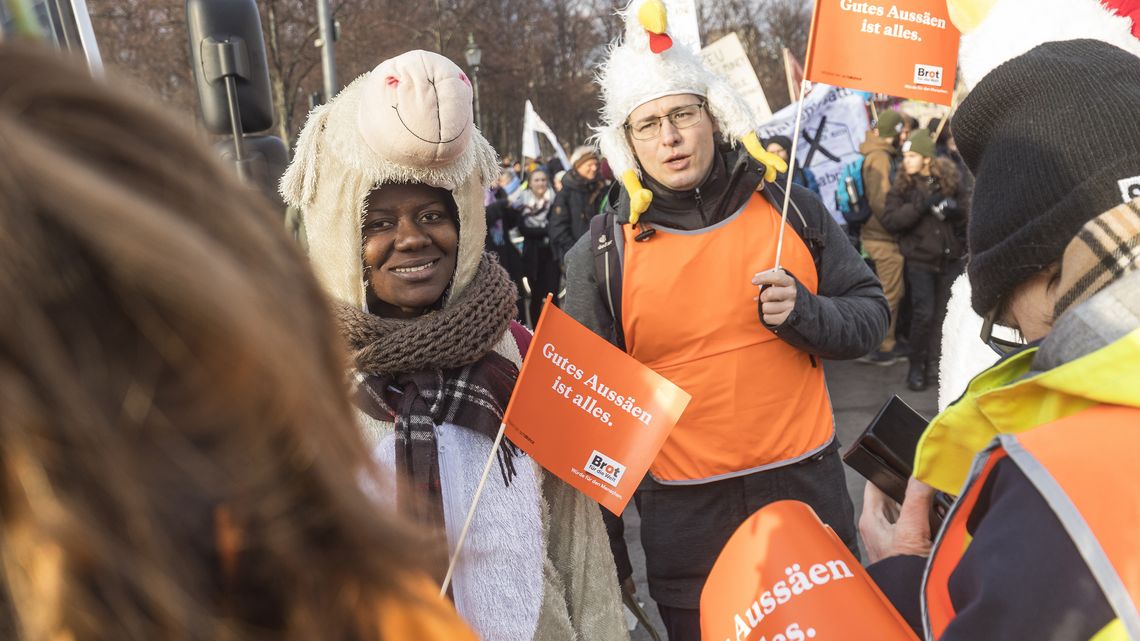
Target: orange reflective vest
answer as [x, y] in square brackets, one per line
[688, 312]
[1096, 498]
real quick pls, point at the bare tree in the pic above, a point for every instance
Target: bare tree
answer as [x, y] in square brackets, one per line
[546, 51]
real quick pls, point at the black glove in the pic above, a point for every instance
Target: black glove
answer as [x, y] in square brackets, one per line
[942, 207]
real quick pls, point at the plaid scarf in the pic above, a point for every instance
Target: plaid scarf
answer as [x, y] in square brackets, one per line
[473, 397]
[1105, 249]
[435, 369]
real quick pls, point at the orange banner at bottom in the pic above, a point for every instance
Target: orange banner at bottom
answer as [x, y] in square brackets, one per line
[785, 576]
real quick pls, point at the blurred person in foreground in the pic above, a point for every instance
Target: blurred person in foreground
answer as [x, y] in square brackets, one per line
[178, 458]
[396, 237]
[1040, 449]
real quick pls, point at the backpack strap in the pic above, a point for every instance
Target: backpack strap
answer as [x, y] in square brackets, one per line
[607, 243]
[812, 236]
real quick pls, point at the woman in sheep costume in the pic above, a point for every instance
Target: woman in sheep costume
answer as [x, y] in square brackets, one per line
[391, 176]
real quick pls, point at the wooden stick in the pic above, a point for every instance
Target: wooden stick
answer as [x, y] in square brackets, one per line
[796, 138]
[471, 510]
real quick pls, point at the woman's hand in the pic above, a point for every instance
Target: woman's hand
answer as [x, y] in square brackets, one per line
[889, 529]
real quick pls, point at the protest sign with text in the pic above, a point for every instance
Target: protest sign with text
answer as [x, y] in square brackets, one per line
[833, 126]
[726, 57]
[905, 48]
[588, 412]
[785, 576]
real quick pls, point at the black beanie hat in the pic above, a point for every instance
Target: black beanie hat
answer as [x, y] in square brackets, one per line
[783, 141]
[1053, 139]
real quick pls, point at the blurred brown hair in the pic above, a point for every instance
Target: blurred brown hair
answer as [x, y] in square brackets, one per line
[941, 168]
[166, 359]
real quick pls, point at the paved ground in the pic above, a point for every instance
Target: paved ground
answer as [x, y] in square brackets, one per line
[857, 393]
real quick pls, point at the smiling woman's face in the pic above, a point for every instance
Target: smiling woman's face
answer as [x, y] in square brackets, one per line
[411, 241]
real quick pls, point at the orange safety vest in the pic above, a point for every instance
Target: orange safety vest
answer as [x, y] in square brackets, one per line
[688, 313]
[1096, 498]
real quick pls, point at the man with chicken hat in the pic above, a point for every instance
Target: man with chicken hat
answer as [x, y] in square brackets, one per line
[1039, 448]
[678, 272]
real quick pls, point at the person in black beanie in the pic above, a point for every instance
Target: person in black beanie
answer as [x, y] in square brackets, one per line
[782, 147]
[1041, 542]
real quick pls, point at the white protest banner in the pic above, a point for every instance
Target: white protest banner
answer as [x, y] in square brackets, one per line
[834, 126]
[683, 27]
[534, 125]
[726, 57]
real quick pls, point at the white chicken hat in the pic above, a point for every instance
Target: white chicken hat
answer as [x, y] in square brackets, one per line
[996, 31]
[643, 66]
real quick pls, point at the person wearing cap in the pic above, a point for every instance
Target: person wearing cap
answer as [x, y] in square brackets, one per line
[782, 147]
[926, 208]
[880, 167]
[577, 202]
[1040, 449]
[391, 175]
[671, 273]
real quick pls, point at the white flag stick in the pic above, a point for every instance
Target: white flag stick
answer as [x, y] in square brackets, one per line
[471, 510]
[804, 86]
[791, 172]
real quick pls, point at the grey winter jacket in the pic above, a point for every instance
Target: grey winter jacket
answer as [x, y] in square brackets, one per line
[846, 319]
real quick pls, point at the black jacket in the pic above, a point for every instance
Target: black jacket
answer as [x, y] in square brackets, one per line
[501, 218]
[846, 319]
[996, 589]
[572, 210]
[912, 213]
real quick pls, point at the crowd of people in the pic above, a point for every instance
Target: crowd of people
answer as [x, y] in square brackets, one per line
[546, 216]
[206, 433]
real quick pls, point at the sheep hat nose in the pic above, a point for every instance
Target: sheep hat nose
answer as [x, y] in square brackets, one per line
[416, 110]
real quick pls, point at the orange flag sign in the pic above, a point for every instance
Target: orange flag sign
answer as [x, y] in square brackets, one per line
[785, 576]
[905, 48]
[588, 412]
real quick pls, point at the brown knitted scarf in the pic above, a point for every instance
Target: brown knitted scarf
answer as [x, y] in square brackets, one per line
[457, 335]
[438, 368]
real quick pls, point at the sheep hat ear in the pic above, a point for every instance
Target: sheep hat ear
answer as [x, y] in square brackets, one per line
[416, 110]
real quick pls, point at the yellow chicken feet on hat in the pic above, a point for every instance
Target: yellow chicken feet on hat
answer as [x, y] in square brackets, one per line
[773, 164]
[639, 196]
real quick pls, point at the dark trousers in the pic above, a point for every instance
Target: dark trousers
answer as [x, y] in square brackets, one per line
[681, 624]
[929, 290]
[685, 527]
[543, 273]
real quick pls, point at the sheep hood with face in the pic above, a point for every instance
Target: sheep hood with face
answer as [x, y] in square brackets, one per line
[409, 120]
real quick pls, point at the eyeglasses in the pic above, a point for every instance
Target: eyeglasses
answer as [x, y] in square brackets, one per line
[681, 117]
[1002, 346]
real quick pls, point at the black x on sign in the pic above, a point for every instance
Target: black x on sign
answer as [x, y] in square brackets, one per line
[814, 141]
